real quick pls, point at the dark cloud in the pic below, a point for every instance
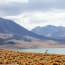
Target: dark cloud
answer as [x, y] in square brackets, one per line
[12, 9]
[33, 5]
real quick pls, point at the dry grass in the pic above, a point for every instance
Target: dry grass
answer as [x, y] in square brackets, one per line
[21, 58]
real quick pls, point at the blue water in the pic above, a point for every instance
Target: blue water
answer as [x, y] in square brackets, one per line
[42, 50]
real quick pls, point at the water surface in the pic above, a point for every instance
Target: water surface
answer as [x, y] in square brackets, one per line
[42, 50]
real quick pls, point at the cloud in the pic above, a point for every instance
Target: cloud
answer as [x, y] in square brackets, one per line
[30, 20]
[12, 7]
[15, 7]
[12, 1]
[32, 13]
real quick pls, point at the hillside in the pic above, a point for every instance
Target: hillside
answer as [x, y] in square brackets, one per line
[12, 35]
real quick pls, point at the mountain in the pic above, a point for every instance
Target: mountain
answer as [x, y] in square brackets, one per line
[10, 30]
[54, 32]
[12, 35]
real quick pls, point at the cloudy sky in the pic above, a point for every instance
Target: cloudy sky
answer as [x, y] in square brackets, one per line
[32, 13]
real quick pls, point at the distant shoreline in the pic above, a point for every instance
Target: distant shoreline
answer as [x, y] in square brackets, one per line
[59, 51]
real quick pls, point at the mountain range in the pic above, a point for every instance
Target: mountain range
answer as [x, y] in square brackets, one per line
[12, 35]
[51, 31]
[14, 29]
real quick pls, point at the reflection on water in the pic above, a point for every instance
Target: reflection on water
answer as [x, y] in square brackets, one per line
[42, 50]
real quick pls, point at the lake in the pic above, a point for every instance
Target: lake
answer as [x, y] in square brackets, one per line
[42, 50]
